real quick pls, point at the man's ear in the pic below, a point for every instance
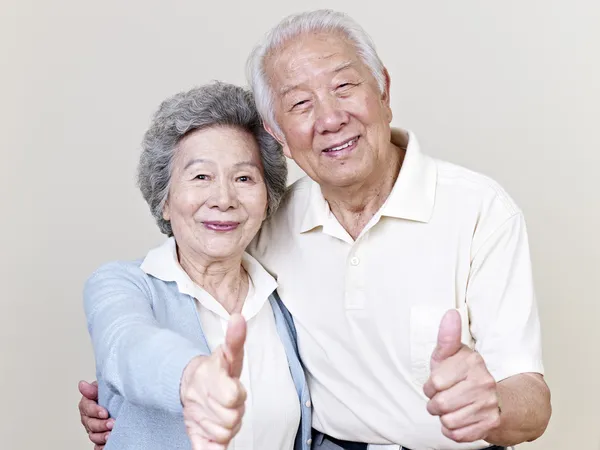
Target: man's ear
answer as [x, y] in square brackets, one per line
[385, 95]
[280, 139]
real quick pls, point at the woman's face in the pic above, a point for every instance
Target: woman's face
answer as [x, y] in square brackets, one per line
[218, 198]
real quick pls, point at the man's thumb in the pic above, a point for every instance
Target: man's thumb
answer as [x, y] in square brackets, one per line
[233, 348]
[89, 390]
[448, 341]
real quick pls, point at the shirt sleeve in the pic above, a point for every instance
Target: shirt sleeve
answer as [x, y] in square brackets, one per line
[135, 356]
[503, 313]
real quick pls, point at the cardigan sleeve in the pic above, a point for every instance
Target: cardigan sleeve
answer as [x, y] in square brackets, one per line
[135, 356]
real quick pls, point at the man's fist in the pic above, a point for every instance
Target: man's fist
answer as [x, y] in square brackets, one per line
[94, 418]
[461, 390]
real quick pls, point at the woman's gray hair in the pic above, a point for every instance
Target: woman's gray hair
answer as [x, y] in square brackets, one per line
[322, 20]
[214, 104]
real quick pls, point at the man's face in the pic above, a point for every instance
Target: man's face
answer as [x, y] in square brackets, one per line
[334, 119]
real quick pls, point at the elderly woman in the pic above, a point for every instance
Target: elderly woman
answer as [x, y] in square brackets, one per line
[159, 326]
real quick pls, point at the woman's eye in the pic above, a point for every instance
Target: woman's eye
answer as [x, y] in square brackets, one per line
[244, 179]
[201, 177]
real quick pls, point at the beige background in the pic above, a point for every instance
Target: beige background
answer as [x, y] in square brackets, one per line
[511, 89]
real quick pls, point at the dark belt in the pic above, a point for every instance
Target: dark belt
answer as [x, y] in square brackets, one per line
[349, 445]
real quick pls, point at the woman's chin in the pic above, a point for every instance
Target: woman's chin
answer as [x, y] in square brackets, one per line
[218, 246]
[223, 250]
[223, 256]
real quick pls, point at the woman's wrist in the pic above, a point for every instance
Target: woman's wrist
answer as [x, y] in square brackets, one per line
[188, 376]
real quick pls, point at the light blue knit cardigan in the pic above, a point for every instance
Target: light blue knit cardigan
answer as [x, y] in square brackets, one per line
[144, 333]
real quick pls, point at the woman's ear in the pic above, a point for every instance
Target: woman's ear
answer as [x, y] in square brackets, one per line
[166, 213]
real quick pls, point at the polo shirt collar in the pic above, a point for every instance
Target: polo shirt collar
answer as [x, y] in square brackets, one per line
[411, 198]
[413, 194]
[317, 209]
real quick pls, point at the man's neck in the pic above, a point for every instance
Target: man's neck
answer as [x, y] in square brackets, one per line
[354, 206]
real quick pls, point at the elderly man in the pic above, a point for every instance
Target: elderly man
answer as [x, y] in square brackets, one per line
[408, 278]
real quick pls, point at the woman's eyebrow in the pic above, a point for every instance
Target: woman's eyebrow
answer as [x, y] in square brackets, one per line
[195, 161]
[246, 163]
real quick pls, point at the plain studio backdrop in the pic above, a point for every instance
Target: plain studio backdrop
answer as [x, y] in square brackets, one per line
[510, 89]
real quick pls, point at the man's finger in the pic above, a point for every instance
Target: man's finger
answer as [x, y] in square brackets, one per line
[98, 425]
[453, 399]
[448, 341]
[470, 433]
[99, 438]
[233, 348]
[88, 390]
[90, 408]
[448, 374]
[465, 417]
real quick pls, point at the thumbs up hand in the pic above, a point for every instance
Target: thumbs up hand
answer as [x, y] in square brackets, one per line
[212, 394]
[461, 390]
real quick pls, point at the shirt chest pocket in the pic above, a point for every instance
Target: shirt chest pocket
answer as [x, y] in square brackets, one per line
[424, 326]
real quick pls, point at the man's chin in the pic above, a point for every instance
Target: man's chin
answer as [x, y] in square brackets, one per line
[341, 179]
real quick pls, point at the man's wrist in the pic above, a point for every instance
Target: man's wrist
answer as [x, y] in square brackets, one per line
[495, 435]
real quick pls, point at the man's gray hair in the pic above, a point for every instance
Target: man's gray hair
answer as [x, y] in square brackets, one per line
[215, 104]
[323, 20]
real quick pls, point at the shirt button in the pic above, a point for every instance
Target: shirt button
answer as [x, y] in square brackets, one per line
[308, 404]
[355, 261]
[309, 441]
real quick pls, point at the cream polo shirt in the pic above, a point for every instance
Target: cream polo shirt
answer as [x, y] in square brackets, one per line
[367, 312]
[272, 412]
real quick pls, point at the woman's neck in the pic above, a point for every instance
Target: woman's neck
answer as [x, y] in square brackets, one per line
[225, 280]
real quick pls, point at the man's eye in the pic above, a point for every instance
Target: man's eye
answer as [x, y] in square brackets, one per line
[345, 85]
[201, 177]
[300, 103]
[244, 178]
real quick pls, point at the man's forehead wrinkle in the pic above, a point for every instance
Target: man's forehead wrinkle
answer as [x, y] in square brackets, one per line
[297, 64]
[286, 64]
[298, 44]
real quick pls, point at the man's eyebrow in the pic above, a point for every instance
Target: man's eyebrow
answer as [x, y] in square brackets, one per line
[287, 89]
[343, 66]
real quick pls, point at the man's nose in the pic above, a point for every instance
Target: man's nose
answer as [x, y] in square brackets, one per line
[330, 117]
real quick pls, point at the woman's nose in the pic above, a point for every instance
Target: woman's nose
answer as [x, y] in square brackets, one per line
[223, 196]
